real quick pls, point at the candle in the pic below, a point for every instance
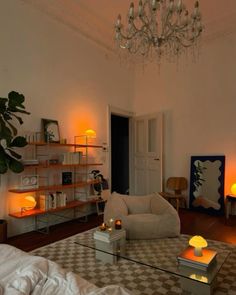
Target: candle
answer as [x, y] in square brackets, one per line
[140, 8]
[118, 22]
[154, 4]
[118, 224]
[103, 227]
[131, 10]
[111, 221]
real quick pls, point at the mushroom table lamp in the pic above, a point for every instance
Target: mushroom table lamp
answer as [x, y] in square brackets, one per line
[198, 243]
[90, 133]
[28, 203]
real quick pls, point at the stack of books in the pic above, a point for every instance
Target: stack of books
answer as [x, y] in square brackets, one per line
[109, 235]
[188, 258]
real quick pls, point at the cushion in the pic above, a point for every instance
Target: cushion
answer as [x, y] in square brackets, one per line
[149, 226]
[137, 204]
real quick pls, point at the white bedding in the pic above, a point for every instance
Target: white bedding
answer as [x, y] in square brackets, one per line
[23, 274]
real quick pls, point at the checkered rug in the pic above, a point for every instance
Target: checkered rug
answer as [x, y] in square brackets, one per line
[138, 278]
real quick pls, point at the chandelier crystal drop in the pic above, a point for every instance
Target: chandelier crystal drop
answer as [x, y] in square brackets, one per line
[159, 27]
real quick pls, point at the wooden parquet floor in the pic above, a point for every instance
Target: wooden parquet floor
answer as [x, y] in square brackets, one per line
[192, 223]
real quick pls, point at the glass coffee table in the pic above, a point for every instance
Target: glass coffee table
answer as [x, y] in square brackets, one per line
[159, 254]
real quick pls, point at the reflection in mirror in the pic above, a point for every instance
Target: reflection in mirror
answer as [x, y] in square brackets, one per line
[207, 183]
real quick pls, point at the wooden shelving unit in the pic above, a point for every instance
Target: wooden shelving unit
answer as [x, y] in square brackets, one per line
[76, 168]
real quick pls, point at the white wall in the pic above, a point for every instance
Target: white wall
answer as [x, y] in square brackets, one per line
[67, 78]
[198, 101]
[62, 75]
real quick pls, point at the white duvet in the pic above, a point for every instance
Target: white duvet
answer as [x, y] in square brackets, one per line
[23, 274]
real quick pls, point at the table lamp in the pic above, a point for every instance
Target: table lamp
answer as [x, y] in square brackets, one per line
[233, 189]
[90, 133]
[198, 243]
[90, 136]
[28, 203]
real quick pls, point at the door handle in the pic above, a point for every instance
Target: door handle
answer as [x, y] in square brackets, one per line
[156, 159]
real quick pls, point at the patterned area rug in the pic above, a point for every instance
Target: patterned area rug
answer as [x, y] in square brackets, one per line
[139, 279]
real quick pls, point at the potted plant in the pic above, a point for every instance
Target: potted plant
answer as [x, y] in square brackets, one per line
[9, 109]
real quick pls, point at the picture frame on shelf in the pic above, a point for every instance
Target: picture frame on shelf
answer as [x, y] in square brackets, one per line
[29, 182]
[50, 129]
[66, 178]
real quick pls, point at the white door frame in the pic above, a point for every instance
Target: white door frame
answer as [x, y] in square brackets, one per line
[111, 110]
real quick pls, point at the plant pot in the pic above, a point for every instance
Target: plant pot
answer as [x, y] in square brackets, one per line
[3, 231]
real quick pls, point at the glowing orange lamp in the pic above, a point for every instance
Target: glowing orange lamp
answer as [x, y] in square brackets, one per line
[90, 133]
[28, 203]
[198, 243]
[233, 189]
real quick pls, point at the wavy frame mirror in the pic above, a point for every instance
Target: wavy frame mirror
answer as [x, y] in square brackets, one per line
[207, 184]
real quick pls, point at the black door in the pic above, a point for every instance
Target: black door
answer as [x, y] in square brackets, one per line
[119, 154]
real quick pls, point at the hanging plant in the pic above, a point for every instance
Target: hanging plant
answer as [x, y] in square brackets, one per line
[9, 109]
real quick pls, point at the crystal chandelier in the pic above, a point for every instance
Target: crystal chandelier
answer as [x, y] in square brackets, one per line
[159, 27]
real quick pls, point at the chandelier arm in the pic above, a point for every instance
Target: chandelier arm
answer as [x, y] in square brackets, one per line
[126, 37]
[182, 30]
[145, 28]
[180, 40]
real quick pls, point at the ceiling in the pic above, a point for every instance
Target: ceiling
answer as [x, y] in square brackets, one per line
[95, 19]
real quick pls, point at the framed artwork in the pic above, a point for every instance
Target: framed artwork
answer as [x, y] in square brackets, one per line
[66, 178]
[207, 184]
[50, 130]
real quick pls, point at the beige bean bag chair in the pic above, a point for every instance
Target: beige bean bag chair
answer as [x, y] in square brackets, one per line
[143, 217]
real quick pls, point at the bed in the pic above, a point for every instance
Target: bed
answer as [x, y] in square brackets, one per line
[23, 274]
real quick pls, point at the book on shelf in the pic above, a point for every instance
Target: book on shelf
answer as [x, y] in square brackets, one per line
[52, 201]
[188, 258]
[43, 202]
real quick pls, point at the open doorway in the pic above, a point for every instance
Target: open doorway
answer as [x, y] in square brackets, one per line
[135, 157]
[120, 154]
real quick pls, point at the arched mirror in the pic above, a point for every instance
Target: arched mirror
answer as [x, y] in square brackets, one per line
[207, 184]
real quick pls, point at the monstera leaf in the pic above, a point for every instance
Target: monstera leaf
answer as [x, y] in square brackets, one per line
[9, 109]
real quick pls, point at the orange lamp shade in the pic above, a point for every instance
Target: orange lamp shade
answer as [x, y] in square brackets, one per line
[28, 203]
[90, 133]
[233, 189]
